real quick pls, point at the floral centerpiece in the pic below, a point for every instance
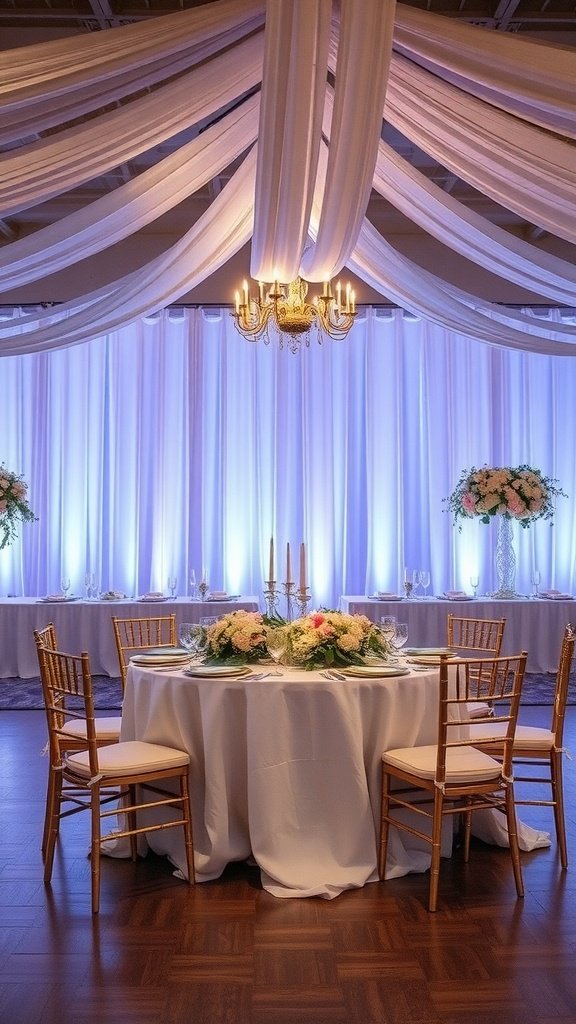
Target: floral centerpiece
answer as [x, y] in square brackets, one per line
[14, 507]
[327, 638]
[519, 493]
[236, 639]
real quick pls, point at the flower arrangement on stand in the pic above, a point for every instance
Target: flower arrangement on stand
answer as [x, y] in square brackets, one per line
[14, 507]
[236, 638]
[510, 493]
[519, 492]
[326, 638]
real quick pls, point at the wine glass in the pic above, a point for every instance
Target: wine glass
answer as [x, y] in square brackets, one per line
[172, 584]
[275, 644]
[193, 584]
[65, 585]
[536, 579]
[400, 636]
[388, 627]
[408, 582]
[474, 582]
[87, 585]
[190, 637]
[424, 579]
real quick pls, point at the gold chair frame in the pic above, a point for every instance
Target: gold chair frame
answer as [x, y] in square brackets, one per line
[93, 777]
[137, 634]
[446, 778]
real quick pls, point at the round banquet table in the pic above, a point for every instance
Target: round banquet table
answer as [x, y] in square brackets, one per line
[286, 770]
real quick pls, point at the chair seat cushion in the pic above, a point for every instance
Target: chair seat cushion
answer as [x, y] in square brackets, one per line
[106, 728]
[463, 764]
[526, 735]
[131, 757]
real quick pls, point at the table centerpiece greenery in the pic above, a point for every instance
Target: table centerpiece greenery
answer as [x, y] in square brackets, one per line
[326, 638]
[236, 639]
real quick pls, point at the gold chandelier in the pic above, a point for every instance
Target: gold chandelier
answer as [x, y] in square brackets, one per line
[284, 308]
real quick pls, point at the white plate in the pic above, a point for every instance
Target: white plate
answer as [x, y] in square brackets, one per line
[374, 671]
[217, 671]
[166, 652]
[56, 599]
[430, 659]
[427, 651]
[152, 600]
[461, 597]
[388, 597]
[158, 660]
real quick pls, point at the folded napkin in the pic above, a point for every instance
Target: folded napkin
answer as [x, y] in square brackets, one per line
[384, 595]
[455, 595]
[555, 595]
[217, 595]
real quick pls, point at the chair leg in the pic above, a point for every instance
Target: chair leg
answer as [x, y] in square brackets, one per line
[384, 824]
[49, 810]
[467, 833]
[513, 839]
[436, 849]
[557, 782]
[53, 822]
[95, 846]
[132, 823]
[188, 833]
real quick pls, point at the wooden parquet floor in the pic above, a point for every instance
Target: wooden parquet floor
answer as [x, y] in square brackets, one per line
[227, 952]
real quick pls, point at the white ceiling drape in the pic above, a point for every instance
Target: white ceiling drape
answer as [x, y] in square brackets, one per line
[507, 156]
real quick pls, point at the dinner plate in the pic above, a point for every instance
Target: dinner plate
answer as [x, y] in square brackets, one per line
[460, 597]
[217, 671]
[417, 651]
[166, 652]
[165, 662]
[388, 597]
[374, 671]
[56, 599]
[430, 659]
[152, 600]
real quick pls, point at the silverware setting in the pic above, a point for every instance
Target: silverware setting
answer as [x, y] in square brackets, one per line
[333, 675]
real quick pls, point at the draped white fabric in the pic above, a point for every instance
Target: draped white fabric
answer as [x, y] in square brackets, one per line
[172, 444]
[487, 129]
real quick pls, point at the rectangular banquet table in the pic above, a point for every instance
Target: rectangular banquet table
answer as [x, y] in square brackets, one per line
[87, 626]
[535, 625]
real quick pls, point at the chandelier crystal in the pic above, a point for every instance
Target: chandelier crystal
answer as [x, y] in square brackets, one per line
[284, 309]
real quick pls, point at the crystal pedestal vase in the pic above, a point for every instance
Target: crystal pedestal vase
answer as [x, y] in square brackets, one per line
[505, 560]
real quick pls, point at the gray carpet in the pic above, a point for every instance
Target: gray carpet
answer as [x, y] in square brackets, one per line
[26, 694]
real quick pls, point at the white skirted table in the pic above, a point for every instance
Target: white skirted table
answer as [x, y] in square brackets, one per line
[87, 626]
[286, 771]
[534, 625]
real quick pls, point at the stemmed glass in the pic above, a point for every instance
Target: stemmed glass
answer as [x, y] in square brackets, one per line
[65, 585]
[275, 644]
[190, 637]
[193, 584]
[536, 579]
[172, 584]
[408, 582]
[400, 636]
[388, 627]
[424, 579]
[474, 582]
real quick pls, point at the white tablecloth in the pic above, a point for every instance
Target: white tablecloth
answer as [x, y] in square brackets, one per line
[287, 771]
[86, 626]
[532, 625]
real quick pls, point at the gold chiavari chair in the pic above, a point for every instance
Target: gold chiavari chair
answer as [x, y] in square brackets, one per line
[475, 638]
[137, 634]
[542, 748]
[107, 729]
[91, 778]
[452, 777]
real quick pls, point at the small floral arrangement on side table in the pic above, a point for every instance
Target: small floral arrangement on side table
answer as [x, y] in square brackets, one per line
[326, 638]
[515, 492]
[14, 507]
[236, 639]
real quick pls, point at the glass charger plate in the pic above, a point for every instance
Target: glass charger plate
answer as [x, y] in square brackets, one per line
[374, 671]
[217, 671]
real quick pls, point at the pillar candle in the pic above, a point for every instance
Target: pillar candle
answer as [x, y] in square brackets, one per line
[288, 566]
[302, 567]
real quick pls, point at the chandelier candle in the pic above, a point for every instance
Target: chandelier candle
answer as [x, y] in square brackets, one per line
[271, 562]
[302, 568]
[288, 566]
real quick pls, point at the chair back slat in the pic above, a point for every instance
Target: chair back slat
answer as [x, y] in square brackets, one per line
[562, 684]
[138, 634]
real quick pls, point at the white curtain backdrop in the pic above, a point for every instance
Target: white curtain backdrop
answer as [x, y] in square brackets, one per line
[174, 444]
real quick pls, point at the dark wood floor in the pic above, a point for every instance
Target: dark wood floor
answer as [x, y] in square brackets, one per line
[226, 951]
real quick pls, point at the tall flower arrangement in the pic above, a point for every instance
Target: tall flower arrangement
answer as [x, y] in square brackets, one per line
[515, 492]
[14, 507]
